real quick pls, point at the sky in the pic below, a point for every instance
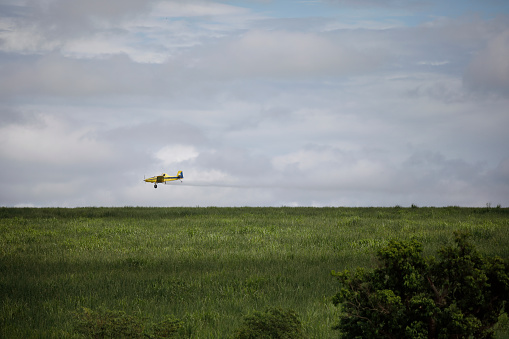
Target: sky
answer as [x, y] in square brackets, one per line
[258, 102]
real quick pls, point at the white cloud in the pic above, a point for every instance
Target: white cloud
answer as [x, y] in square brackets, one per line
[172, 155]
[434, 63]
[50, 141]
[286, 54]
[489, 69]
[65, 77]
[197, 9]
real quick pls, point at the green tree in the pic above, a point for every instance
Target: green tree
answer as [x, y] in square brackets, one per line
[275, 323]
[460, 295]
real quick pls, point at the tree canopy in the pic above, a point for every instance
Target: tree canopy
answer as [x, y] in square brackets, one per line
[459, 295]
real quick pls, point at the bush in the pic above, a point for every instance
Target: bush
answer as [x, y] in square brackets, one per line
[108, 324]
[167, 328]
[459, 296]
[274, 323]
[117, 324]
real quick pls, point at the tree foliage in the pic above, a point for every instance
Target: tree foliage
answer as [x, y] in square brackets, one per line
[459, 295]
[275, 323]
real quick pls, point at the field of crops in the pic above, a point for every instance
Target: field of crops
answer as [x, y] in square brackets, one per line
[207, 267]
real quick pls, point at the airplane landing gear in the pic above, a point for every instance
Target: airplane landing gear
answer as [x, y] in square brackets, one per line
[155, 185]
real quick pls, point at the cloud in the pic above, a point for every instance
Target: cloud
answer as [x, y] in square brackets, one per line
[332, 168]
[173, 155]
[155, 132]
[238, 163]
[45, 26]
[179, 9]
[55, 75]
[489, 69]
[434, 63]
[498, 181]
[285, 54]
[415, 4]
[147, 31]
[49, 141]
[60, 18]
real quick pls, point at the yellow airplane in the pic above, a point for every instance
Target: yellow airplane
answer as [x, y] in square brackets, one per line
[164, 178]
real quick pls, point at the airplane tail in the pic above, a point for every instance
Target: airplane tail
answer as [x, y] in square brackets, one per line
[180, 175]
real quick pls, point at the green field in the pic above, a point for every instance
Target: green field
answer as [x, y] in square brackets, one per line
[208, 267]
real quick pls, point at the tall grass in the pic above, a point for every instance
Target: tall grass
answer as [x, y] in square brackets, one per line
[208, 267]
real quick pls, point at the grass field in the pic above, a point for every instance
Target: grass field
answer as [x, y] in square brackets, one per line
[208, 267]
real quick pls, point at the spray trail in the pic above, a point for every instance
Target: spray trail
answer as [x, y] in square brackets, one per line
[296, 186]
[219, 184]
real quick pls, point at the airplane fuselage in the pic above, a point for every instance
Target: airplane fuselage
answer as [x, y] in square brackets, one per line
[164, 178]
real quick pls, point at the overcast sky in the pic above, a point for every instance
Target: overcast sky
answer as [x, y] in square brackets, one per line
[258, 102]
